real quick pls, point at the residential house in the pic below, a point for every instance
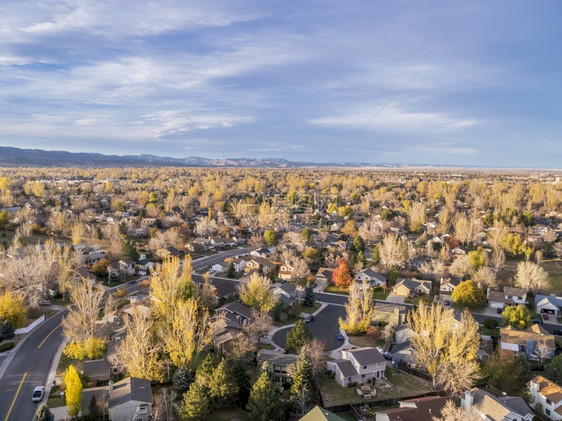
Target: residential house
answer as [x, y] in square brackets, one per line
[358, 366]
[261, 252]
[548, 304]
[260, 264]
[202, 244]
[411, 287]
[488, 407]
[236, 312]
[287, 272]
[421, 409]
[509, 297]
[403, 353]
[531, 341]
[130, 399]
[279, 364]
[447, 286]
[394, 313]
[238, 262]
[373, 278]
[549, 395]
[324, 275]
[320, 414]
[287, 293]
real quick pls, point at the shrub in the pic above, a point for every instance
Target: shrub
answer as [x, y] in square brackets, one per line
[490, 323]
[7, 346]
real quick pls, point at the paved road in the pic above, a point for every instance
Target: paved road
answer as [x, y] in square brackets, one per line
[217, 258]
[29, 368]
[324, 328]
[331, 298]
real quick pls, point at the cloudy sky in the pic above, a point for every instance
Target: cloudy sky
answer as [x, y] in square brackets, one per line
[447, 82]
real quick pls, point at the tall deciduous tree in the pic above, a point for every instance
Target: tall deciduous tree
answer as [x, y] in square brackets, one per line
[531, 277]
[468, 294]
[264, 403]
[170, 284]
[392, 251]
[440, 343]
[139, 349]
[517, 316]
[256, 293]
[80, 322]
[342, 276]
[73, 391]
[13, 309]
[358, 309]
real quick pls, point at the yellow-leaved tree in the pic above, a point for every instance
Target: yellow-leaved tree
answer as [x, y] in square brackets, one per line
[170, 284]
[358, 309]
[73, 391]
[445, 347]
[13, 309]
[256, 293]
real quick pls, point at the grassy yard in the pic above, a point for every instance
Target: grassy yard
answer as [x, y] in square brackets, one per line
[336, 290]
[553, 267]
[266, 346]
[290, 321]
[380, 294]
[403, 385]
[55, 400]
[428, 299]
[310, 310]
[364, 340]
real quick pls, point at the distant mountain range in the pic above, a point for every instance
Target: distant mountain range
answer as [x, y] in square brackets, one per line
[16, 157]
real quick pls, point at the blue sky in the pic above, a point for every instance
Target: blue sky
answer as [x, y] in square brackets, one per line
[290, 79]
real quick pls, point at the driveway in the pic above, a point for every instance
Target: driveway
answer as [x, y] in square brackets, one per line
[325, 327]
[392, 298]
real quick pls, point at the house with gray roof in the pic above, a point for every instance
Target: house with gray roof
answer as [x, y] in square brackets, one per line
[411, 287]
[489, 407]
[358, 366]
[548, 304]
[279, 364]
[130, 399]
[373, 278]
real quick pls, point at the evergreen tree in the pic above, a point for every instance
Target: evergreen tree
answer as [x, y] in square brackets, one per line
[195, 404]
[73, 391]
[7, 330]
[94, 408]
[376, 255]
[309, 296]
[358, 243]
[129, 249]
[242, 379]
[222, 387]
[205, 372]
[182, 380]
[44, 414]
[361, 258]
[298, 336]
[303, 376]
[230, 270]
[264, 403]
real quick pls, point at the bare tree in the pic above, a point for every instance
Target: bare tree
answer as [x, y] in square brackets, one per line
[450, 412]
[80, 322]
[543, 350]
[388, 333]
[259, 326]
[316, 351]
[205, 227]
[392, 251]
[531, 277]
[139, 350]
[485, 277]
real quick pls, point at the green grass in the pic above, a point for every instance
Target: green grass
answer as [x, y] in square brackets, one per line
[380, 294]
[428, 299]
[112, 283]
[266, 346]
[336, 290]
[290, 321]
[494, 333]
[60, 301]
[404, 385]
[310, 310]
[229, 415]
[55, 400]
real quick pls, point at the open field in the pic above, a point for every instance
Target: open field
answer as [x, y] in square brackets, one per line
[553, 267]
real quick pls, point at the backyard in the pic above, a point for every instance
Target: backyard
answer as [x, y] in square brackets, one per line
[403, 386]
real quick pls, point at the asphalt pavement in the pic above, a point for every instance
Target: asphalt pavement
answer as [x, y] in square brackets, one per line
[208, 261]
[325, 327]
[29, 368]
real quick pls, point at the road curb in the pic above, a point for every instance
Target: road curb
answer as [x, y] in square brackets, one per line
[13, 352]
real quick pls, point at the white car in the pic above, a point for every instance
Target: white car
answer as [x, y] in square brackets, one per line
[38, 393]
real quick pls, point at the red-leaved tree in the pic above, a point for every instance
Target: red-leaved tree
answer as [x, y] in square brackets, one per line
[341, 276]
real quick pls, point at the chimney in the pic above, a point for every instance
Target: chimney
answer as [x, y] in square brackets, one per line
[110, 386]
[467, 401]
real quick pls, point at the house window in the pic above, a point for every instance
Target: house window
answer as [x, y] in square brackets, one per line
[548, 402]
[143, 409]
[364, 367]
[547, 412]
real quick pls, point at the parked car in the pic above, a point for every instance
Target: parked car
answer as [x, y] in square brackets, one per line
[38, 393]
[446, 302]
[537, 321]
[557, 332]
[45, 303]
[309, 319]
[339, 337]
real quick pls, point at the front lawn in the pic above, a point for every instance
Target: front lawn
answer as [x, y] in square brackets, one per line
[291, 320]
[336, 290]
[403, 386]
[310, 310]
[428, 299]
[365, 340]
[231, 414]
[380, 294]
[55, 400]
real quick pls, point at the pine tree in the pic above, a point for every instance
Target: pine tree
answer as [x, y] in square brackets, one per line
[73, 391]
[129, 249]
[358, 243]
[195, 404]
[230, 270]
[242, 379]
[298, 336]
[222, 387]
[303, 376]
[44, 414]
[309, 297]
[182, 380]
[205, 372]
[264, 403]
